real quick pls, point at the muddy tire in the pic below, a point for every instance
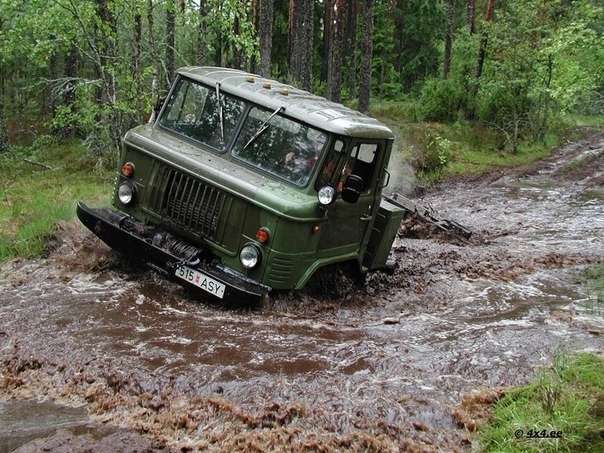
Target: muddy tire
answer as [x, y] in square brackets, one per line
[336, 281]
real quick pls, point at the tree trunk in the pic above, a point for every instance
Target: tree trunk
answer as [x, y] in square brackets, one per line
[301, 42]
[136, 62]
[154, 56]
[4, 144]
[105, 47]
[470, 16]
[484, 37]
[399, 31]
[68, 90]
[327, 35]
[483, 41]
[237, 53]
[366, 56]
[334, 68]
[350, 33]
[448, 38]
[547, 99]
[218, 43]
[265, 33]
[170, 33]
[108, 68]
[202, 30]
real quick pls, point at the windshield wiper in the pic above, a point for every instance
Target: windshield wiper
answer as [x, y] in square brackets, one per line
[262, 128]
[220, 115]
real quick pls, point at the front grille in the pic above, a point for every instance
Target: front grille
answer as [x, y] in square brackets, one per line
[188, 202]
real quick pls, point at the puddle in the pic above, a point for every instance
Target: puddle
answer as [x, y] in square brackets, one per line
[24, 420]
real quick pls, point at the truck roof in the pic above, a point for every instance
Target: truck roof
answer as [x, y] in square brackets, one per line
[298, 104]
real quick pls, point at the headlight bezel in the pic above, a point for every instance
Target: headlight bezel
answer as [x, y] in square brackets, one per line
[126, 193]
[326, 195]
[250, 256]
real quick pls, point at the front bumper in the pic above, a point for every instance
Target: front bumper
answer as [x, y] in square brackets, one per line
[167, 253]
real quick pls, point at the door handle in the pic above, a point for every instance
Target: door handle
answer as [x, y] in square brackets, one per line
[366, 217]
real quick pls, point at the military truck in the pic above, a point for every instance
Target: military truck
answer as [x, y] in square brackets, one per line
[239, 185]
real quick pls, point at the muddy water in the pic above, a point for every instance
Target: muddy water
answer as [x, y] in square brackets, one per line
[385, 367]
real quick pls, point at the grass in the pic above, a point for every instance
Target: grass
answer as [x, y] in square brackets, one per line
[594, 277]
[566, 400]
[40, 185]
[470, 148]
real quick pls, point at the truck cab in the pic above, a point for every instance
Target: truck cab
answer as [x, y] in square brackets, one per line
[240, 185]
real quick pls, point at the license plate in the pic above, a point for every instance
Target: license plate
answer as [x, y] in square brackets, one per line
[201, 280]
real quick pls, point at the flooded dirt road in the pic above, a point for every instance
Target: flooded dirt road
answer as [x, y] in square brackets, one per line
[126, 361]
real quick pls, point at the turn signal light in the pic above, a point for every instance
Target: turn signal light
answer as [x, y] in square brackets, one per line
[128, 169]
[262, 235]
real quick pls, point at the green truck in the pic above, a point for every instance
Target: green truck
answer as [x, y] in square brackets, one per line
[240, 185]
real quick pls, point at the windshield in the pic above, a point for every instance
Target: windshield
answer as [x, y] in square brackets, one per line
[267, 140]
[206, 115]
[281, 146]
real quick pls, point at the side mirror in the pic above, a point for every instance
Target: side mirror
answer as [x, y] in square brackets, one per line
[156, 108]
[352, 189]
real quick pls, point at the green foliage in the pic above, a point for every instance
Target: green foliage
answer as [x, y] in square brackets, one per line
[432, 153]
[219, 21]
[383, 69]
[595, 282]
[551, 63]
[543, 60]
[441, 100]
[421, 37]
[40, 185]
[566, 398]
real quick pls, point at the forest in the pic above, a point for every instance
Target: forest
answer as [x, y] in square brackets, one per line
[91, 69]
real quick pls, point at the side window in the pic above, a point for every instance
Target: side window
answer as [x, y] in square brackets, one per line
[363, 161]
[338, 166]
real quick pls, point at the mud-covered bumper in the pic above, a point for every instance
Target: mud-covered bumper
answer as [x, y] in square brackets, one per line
[169, 255]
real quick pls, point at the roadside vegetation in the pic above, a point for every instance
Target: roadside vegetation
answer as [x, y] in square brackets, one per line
[40, 184]
[595, 282]
[561, 410]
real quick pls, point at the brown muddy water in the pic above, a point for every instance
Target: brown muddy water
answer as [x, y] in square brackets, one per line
[96, 355]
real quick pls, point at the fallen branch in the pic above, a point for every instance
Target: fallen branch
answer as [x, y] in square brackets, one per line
[39, 164]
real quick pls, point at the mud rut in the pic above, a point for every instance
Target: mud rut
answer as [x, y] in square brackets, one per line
[98, 355]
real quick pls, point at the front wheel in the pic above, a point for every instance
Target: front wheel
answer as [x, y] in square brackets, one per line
[336, 280]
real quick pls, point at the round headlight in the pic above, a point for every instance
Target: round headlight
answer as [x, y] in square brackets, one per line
[249, 256]
[126, 193]
[326, 195]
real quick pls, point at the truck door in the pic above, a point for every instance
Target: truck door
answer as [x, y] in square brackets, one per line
[348, 224]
